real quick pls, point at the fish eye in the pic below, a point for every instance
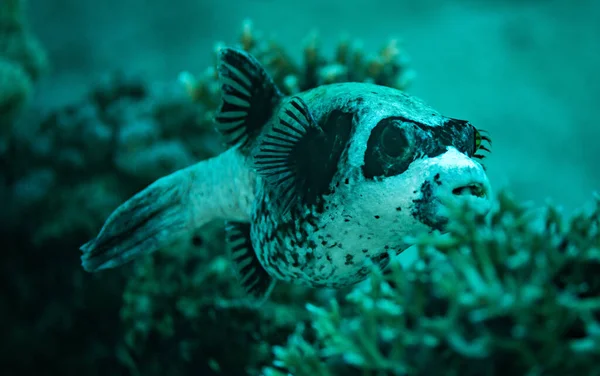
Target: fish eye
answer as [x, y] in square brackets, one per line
[389, 148]
[393, 141]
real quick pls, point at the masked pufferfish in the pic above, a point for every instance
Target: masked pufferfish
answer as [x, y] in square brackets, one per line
[315, 188]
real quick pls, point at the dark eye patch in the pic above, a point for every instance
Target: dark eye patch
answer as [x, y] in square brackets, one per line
[389, 148]
[393, 141]
[396, 142]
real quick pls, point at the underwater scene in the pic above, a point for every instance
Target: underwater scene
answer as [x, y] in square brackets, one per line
[313, 188]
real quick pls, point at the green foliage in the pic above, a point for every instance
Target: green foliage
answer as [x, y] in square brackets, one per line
[492, 296]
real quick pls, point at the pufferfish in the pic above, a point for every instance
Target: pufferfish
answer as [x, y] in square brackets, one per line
[315, 188]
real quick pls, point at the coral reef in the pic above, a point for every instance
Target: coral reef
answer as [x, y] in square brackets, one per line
[183, 313]
[349, 63]
[507, 298]
[22, 61]
[89, 157]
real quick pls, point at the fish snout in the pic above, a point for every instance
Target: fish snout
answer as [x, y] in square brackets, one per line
[464, 182]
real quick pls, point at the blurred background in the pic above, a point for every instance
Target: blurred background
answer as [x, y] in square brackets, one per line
[525, 70]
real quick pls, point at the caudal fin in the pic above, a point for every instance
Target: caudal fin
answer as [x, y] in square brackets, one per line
[152, 219]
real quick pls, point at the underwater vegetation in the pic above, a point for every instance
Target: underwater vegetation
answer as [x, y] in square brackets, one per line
[22, 61]
[513, 294]
[494, 295]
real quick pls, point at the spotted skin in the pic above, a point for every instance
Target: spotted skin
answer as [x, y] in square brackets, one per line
[360, 219]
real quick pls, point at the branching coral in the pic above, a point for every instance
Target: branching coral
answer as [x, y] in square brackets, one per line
[183, 313]
[506, 299]
[350, 63]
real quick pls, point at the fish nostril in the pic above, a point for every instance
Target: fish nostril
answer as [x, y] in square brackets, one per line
[473, 189]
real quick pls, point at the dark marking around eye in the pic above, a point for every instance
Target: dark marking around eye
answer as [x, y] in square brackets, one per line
[393, 141]
[396, 142]
[386, 138]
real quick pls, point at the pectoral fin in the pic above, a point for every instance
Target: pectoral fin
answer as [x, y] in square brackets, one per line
[299, 157]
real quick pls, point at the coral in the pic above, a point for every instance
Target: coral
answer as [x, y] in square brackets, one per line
[507, 298]
[22, 61]
[350, 63]
[102, 150]
[183, 313]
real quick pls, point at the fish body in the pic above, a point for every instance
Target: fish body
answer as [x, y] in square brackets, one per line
[315, 187]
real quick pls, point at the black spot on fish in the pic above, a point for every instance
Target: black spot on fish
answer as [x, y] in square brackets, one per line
[365, 251]
[377, 217]
[381, 259]
[437, 179]
[349, 259]
[398, 209]
[363, 271]
[424, 209]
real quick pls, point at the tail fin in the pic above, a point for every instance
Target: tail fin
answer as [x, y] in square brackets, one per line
[146, 222]
[169, 209]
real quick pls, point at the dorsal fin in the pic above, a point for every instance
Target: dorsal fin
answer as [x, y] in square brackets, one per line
[299, 157]
[251, 274]
[248, 96]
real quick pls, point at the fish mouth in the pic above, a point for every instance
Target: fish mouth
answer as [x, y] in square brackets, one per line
[473, 189]
[475, 195]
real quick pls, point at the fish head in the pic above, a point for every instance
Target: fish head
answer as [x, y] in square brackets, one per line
[407, 166]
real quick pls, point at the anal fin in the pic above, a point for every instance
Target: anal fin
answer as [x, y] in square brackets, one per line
[252, 275]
